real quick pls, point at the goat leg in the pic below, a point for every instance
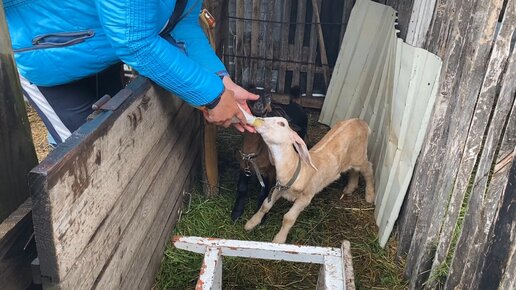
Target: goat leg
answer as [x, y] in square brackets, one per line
[264, 192]
[241, 196]
[367, 171]
[289, 219]
[264, 209]
[352, 183]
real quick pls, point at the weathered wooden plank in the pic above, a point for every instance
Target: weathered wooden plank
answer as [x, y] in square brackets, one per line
[84, 177]
[230, 46]
[443, 26]
[99, 249]
[508, 279]
[298, 39]
[284, 44]
[255, 41]
[307, 102]
[15, 252]
[502, 247]
[312, 54]
[479, 122]
[141, 236]
[322, 46]
[269, 45]
[347, 259]
[490, 180]
[239, 43]
[17, 153]
[219, 11]
[465, 59]
[148, 277]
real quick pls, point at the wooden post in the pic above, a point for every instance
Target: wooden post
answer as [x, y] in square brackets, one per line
[17, 158]
[210, 157]
[322, 47]
[17, 152]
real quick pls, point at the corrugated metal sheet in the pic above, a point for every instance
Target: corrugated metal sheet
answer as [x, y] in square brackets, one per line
[392, 86]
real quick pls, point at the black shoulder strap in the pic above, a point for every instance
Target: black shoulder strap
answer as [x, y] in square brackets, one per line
[175, 18]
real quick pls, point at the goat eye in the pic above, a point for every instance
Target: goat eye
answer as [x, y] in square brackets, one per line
[281, 124]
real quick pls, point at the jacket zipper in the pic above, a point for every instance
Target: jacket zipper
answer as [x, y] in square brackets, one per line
[52, 40]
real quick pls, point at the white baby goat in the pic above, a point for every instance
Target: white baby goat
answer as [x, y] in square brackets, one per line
[343, 148]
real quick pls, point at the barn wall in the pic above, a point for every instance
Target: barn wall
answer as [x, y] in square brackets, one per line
[277, 44]
[281, 43]
[105, 201]
[455, 213]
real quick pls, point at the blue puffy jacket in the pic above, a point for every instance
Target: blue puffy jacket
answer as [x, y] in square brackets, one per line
[59, 41]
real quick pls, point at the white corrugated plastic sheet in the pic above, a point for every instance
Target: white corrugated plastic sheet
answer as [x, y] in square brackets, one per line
[392, 86]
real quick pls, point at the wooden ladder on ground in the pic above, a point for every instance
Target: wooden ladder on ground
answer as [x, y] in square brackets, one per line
[336, 265]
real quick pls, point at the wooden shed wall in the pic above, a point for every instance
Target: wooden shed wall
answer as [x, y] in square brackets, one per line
[281, 43]
[105, 201]
[456, 214]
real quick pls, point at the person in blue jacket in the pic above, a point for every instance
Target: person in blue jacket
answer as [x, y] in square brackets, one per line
[69, 53]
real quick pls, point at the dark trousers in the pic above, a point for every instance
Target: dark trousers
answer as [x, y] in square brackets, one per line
[64, 108]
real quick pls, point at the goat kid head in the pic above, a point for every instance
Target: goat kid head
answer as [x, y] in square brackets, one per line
[276, 131]
[262, 106]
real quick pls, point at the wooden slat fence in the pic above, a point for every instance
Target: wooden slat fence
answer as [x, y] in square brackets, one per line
[278, 44]
[456, 229]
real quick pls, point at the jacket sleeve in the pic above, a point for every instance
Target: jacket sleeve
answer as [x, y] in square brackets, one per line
[131, 28]
[189, 31]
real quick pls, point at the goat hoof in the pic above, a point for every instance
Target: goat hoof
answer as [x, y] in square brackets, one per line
[369, 198]
[236, 213]
[279, 240]
[238, 210]
[249, 225]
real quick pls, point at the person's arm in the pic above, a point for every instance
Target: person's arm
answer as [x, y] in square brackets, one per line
[131, 28]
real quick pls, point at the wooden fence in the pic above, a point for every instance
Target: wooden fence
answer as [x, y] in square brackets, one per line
[457, 226]
[105, 201]
[282, 43]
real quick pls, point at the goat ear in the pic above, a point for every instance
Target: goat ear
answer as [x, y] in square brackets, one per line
[301, 148]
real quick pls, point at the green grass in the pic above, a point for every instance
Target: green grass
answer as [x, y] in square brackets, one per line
[326, 222]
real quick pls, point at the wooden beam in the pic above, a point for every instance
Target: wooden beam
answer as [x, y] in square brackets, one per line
[16, 253]
[322, 46]
[307, 102]
[17, 158]
[210, 155]
[285, 27]
[17, 153]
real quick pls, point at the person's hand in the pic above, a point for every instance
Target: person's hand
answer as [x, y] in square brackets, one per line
[226, 112]
[241, 96]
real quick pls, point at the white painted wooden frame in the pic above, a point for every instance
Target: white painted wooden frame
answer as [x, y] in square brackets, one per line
[336, 265]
